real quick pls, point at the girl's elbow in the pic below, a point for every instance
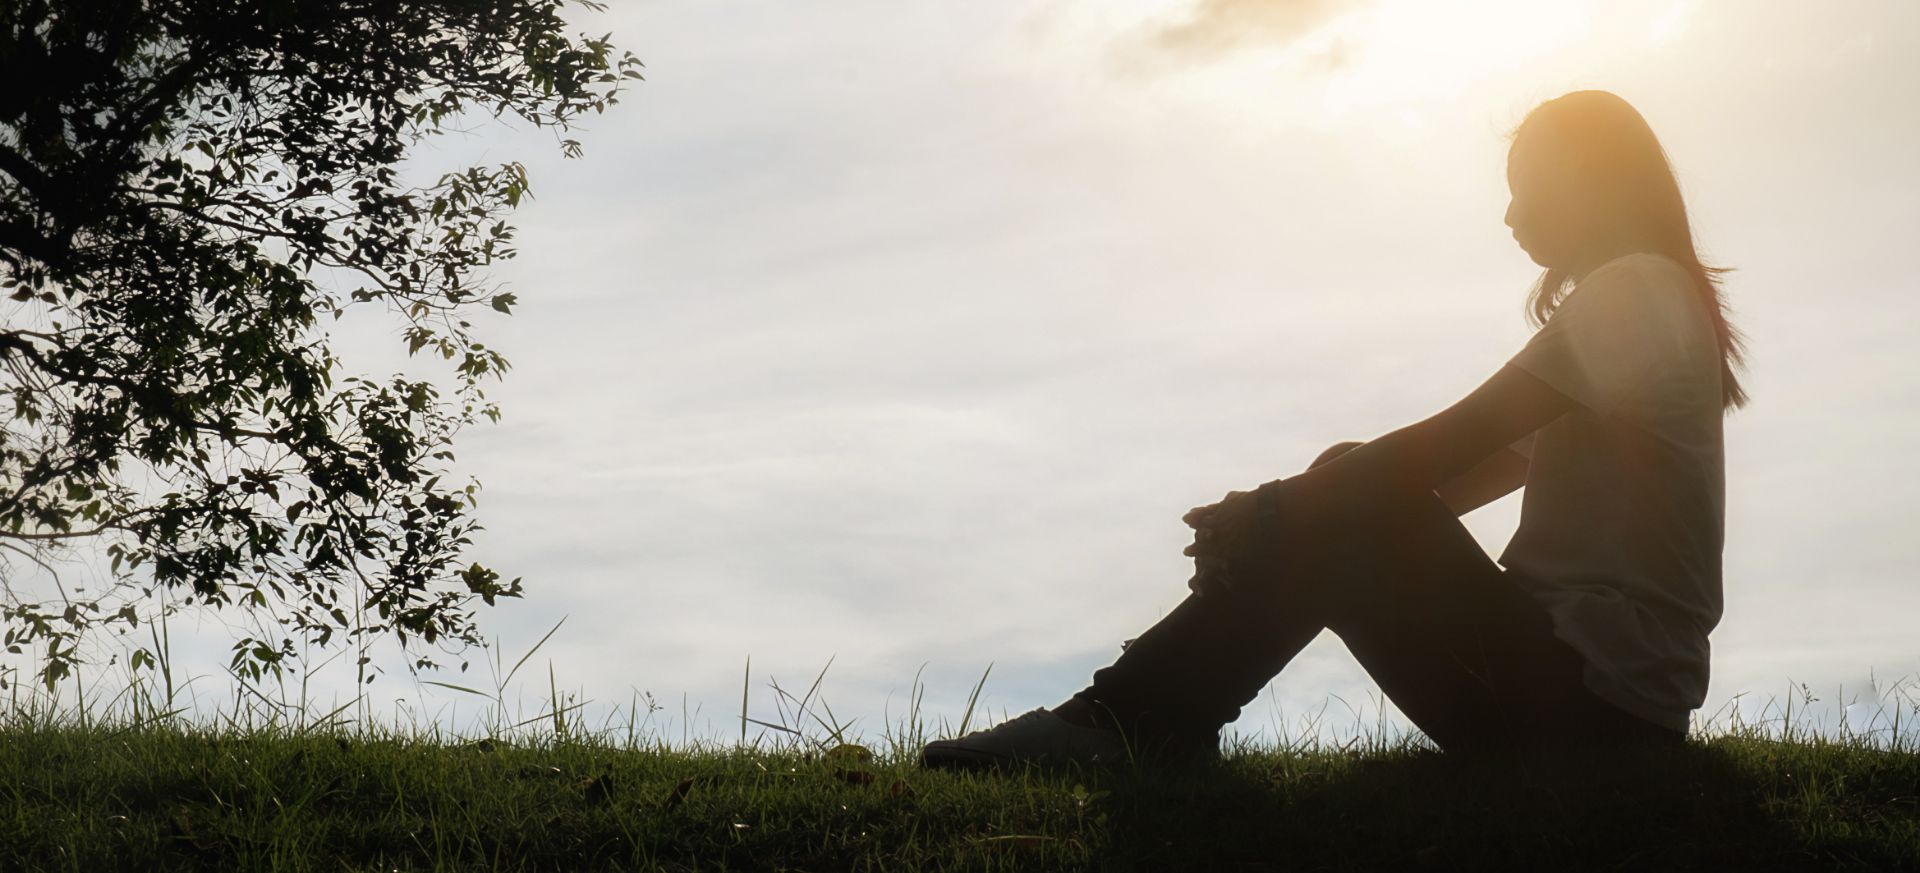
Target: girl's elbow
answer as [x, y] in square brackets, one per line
[1333, 451]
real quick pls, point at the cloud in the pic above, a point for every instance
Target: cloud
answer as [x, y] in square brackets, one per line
[1216, 27]
[1212, 30]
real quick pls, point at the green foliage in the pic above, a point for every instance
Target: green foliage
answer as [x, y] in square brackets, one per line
[173, 798]
[184, 187]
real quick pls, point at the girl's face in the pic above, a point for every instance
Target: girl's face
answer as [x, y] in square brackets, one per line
[1549, 213]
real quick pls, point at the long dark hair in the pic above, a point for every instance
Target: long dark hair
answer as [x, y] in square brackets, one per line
[1628, 163]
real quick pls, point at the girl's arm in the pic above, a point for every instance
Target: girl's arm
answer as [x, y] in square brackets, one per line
[1497, 476]
[1425, 455]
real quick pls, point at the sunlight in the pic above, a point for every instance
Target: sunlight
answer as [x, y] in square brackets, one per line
[1671, 23]
[1390, 61]
[1408, 52]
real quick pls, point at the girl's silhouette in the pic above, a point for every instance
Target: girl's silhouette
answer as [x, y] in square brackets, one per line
[1592, 627]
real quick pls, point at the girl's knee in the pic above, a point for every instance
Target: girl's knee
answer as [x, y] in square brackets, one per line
[1333, 451]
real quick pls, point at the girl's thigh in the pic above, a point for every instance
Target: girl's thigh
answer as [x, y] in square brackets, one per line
[1469, 656]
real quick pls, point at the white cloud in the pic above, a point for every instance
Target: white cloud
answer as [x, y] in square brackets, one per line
[882, 335]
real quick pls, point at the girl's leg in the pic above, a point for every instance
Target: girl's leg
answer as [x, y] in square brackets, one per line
[1464, 651]
[1178, 682]
[1467, 655]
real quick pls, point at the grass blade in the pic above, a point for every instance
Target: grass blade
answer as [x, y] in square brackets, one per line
[529, 654]
[968, 715]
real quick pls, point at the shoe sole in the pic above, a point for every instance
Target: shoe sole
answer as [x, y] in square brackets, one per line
[955, 757]
[935, 756]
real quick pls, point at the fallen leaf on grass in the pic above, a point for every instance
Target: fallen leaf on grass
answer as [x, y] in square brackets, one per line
[679, 792]
[850, 752]
[598, 788]
[189, 824]
[853, 777]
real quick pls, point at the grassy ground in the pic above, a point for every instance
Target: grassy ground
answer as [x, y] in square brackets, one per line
[100, 797]
[126, 780]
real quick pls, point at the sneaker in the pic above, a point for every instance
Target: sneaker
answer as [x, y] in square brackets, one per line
[1038, 736]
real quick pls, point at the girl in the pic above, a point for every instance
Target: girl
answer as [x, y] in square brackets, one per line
[1592, 627]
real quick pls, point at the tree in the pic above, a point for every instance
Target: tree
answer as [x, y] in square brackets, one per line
[181, 184]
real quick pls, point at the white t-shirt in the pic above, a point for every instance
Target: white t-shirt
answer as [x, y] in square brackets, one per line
[1623, 515]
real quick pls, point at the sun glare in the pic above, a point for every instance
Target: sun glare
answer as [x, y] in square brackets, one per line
[1407, 52]
[1388, 61]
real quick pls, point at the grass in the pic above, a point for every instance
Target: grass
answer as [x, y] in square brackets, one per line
[171, 797]
[133, 785]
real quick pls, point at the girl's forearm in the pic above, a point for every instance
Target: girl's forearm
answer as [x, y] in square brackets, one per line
[1404, 463]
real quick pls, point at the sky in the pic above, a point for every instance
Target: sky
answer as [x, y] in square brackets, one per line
[892, 340]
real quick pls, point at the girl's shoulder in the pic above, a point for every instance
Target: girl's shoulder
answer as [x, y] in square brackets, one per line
[1643, 288]
[1649, 279]
[1640, 267]
[1657, 290]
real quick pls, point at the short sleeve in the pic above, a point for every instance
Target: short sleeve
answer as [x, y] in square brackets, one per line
[1609, 334]
[1524, 445]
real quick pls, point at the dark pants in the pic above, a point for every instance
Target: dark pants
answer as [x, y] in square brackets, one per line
[1468, 655]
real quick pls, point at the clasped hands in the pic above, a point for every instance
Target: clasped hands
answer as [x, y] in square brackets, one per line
[1223, 532]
